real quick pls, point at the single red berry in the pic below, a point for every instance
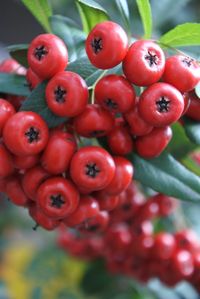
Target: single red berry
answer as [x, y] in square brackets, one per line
[97, 224]
[32, 179]
[58, 152]
[194, 107]
[187, 240]
[164, 246]
[122, 178]
[182, 264]
[106, 202]
[15, 191]
[67, 94]
[166, 204]
[25, 133]
[87, 208]
[6, 111]
[12, 66]
[94, 121]
[115, 93]
[161, 104]
[143, 245]
[6, 162]
[92, 167]
[138, 126]
[32, 79]
[182, 72]
[153, 144]
[57, 197]
[144, 63]
[118, 237]
[47, 55]
[41, 219]
[106, 45]
[25, 162]
[120, 141]
[187, 102]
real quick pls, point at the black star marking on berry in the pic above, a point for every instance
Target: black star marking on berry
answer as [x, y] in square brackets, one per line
[32, 135]
[152, 58]
[40, 52]
[60, 94]
[111, 104]
[163, 104]
[97, 45]
[97, 133]
[188, 61]
[57, 201]
[92, 170]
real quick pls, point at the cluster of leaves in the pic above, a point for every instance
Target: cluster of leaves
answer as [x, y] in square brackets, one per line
[166, 173]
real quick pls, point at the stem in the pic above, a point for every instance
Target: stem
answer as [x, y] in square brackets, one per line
[93, 86]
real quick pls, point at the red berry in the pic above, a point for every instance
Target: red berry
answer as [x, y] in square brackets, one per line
[67, 94]
[166, 204]
[94, 121]
[115, 93]
[97, 224]
[6, 162]
[58, 152]
[194, 107]
[106, 202]
[164, 246]
[182, 72]
[12, 66]
[92, 167]
[25, 162]
[161, 105]
[182, 264]
[106, 45]
[57, 197]
[25, 133]
[15, 191]
[153, 144]
[47, 55]
[6, 111]
[187, 240]
[144, 63]
[32, 79]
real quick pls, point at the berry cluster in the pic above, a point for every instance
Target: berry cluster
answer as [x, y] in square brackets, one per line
[126, 241]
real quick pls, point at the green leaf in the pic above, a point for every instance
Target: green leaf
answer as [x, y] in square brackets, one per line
[123, 8]
[187, 34]
[144, 8]
[19, 53]
[192, 130]
[36, 102]
[13, 84]
[91, 13]
[73, 37]
[41, 10]
[166, 175]
[180, 145]
[191, 165]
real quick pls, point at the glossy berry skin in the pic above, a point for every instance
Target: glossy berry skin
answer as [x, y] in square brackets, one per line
[166, 204]
[182, 264]
[25, 133]
[6, 111]
[144, 63]
[12, 66]
[118, 237]
[153, 144]
[67, 94]
[182, 72]
[92, 167]
[122, 178]
[97, 224]
[87, 208]
[6, 162]
[106, 202]
[25, 162]
[120, 141]
[15, 191]
[115, 93]
[32, 79]
[58, 152]
[106, 45]
[32, 179]
[94, 121]
[161, 104]
[138, 127]
[47, 55]
[57, 197]
[41, 219]
[194, 107]
[164, 246]
[187, 240]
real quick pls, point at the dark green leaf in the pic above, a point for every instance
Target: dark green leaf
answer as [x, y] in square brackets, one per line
[187, 34]
[124, 11]
[192, 130]
[144, 8]
[68, 31]
[166, 175]
[13, 84]
[91, 13]
[19, 53]
[180, 145]
[41, 11]
[36, 102]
